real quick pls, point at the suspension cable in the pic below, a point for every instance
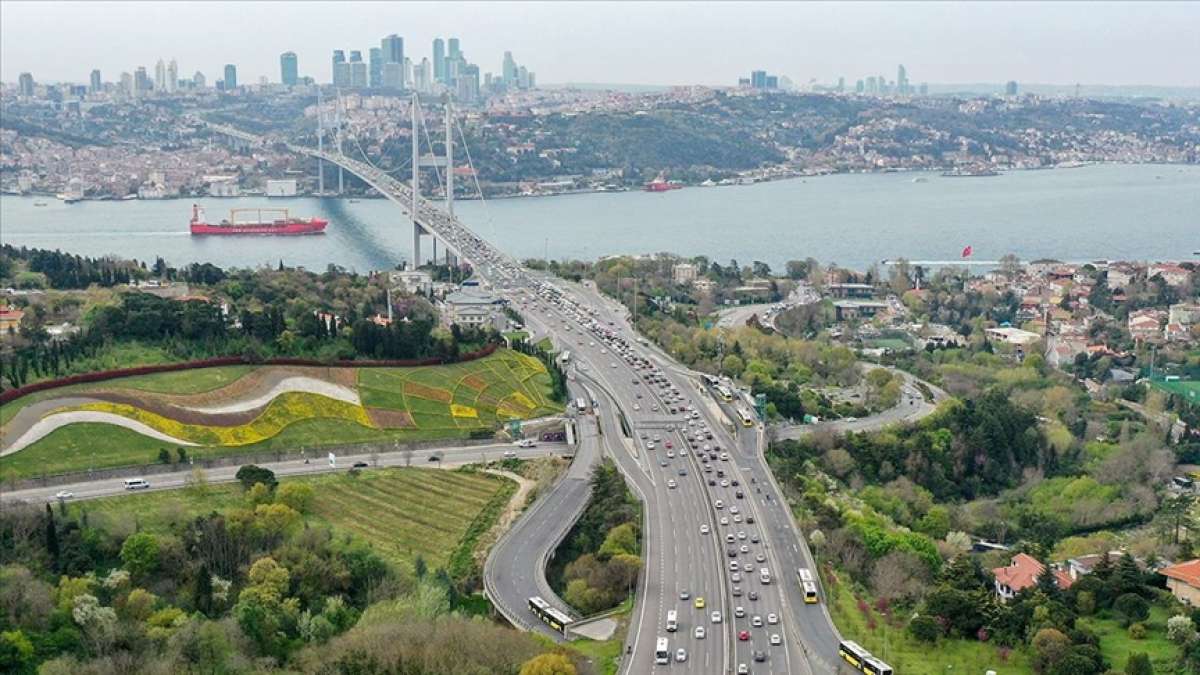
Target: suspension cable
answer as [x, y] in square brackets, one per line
[487, 213]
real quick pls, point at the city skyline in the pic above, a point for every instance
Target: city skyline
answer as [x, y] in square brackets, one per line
[1113, 43]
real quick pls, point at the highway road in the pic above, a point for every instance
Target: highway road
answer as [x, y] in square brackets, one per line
[447, 456]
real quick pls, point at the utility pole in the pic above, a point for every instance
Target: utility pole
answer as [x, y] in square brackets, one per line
[416, 181]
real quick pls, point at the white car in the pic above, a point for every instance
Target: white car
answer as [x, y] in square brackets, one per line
[756, 621]
[724, 520]
[526, 443]
[718, 504]
[681, 655]
[715, 617]
[704, 529]
[699, 632]
[671, 483]
[772, 619]
[739, 612]
[776, 640]
[510, 454]
[64, 494]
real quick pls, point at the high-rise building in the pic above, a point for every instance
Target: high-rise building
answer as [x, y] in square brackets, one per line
[127, 84]
[467, 84]
[393, 49]
[393, 75]
[95, 84]
[439, 60]
[198, 80]
[160, 76]
[872, 86]
[508, 70]
[358, 70]
[422, 80]
[141, 81]
[289, 68]
[25, 84]
[859, 87]
[1010, 88]
[172, 76]
[231, 82]
[341, 69]
[901, 80]
[375, 70]
[758, 79]
[454, 52]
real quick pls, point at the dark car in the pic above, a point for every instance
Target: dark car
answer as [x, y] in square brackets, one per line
[361, 465]
[711, 481]
[732, 553]
[739, 494]
[753, 595]
[749, 520]
[760, 656]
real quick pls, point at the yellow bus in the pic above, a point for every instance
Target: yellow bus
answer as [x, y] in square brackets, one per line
[746, 417]
[723, 393]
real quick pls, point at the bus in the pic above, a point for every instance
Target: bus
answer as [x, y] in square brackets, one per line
[862, 660]
[581, 404]
[549, 615]
[746, 417]
[723, 393]
[804, 575]
[709, 380]
[810, 593]
[662, 652]
[672, 621]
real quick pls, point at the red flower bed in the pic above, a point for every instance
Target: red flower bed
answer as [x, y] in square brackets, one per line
[102, 375]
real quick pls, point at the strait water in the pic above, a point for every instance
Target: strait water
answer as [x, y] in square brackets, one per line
[1096, 212]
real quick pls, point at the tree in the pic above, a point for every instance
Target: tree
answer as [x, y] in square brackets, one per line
[164, 456]
[202, 591]
[52, 547]
[620, 539]
[1049, 646]
[1181, 629]
[925, 628]
[299, 496]
[139, 554]
[1132, 607]
[548, 664]
[1139, 664]
[250, 474]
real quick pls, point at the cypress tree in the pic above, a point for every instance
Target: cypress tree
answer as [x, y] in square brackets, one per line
[202, 591]
[51, 537]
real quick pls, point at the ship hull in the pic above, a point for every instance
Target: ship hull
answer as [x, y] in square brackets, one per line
[289, 229]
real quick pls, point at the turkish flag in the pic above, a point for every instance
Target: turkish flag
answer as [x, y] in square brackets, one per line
[966, 252]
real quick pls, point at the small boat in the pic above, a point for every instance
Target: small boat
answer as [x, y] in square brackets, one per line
[353, 201]
[39, 203]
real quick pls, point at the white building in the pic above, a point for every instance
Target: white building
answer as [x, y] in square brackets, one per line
[1012, 336]
[284, 187]
[413, 282]
[471, 308]
[684, 273]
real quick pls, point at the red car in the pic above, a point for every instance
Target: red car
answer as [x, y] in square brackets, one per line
[744, 635]
[669, 446]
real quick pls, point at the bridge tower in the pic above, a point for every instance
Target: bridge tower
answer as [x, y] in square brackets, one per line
[416, 180]
[337, 121]
[320, 144]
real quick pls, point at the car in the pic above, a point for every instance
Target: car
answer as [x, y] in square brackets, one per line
[734, 483]
[741, 534]
[724, 520]
[663, 462]
[670, 454]
[754, 539]
[509, 454]
[724, 483]
[704, 529]
[718, 504]
[526, 443]
[699, 603]
[744, 549]
[743, 635]
[760, 558]
[733, 566]
[435, 458]
[685, 594]
[760, 656]
[64, 494]
[736, 591]
[712, 483]
[756, 621]
[681, 655]
[749, 520]
[637, 406]
[776, 640]
[699, 632]
[735, 577]
[743, 669]
[732, 552]
[772, 618]
[649, 445]
[671, 484]
[739, 612]
[728, 537]
[715, 617]
[739, 494]
[753, 596]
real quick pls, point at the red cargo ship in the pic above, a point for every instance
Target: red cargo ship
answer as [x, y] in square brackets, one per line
[661, 184]
[284, 225]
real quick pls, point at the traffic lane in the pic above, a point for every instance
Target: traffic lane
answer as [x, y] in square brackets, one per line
[451, 456]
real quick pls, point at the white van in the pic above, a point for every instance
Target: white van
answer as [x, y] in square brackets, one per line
[136, 484]
[672, 621]
[764, 576]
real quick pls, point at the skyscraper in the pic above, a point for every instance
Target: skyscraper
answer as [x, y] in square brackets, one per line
[1010, 88]
[422, 73]
[375, 72]
[439, 60]
[358, 70]
[96, 84]
[393, 75]
[230, 77]
[141, 81]
[172, 76]
[454, 52]
[508, 70]
[341, 69]
[289, 68]
[199, 81]
[160, 76]
[127, 84]
[393, 49]
[758, 79]
[25, 84]
[901, 80]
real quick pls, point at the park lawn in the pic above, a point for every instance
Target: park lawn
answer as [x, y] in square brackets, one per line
[400, 512]
[1189, 390]
[1116, 645]
[78, 447]
[516, 335]
[896, 647]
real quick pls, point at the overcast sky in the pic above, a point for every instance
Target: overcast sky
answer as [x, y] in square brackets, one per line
[625, 42]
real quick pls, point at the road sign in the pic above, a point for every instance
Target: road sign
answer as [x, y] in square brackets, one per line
[332, 461]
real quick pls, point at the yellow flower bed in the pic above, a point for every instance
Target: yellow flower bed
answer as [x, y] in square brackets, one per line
[282, 411]
[463, 410]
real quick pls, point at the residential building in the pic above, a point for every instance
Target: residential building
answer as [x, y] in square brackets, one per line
[289, 71]
[95, 85]
[25, 84]
[10, 320]
[850, 290]
[231, 81]
[845, 310]
[1145, 325]
[1183, 580]
[684, 273]
[1012, 336]
[1174, 275]
[413, 282]
[1021, 573]
[1184, 313]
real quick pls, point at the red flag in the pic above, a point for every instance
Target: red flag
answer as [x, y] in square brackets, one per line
[966, 252]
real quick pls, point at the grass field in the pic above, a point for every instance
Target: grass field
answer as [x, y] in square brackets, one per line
[906, 655]
[1188, 389]
[450, 401]
[401, 512]
[1116, 645]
